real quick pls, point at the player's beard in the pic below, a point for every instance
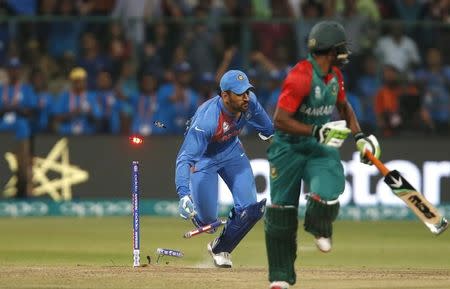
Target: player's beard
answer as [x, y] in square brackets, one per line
[243, 107]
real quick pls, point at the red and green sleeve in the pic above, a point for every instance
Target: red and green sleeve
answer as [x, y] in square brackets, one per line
[296, 87]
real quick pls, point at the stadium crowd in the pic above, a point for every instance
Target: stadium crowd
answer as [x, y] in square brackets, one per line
[116, 67]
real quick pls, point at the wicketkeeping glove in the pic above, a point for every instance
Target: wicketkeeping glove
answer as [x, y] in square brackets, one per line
[186, 208]
[332, 133]
[369, 143]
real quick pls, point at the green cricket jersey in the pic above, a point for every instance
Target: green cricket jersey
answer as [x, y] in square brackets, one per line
[311, 96]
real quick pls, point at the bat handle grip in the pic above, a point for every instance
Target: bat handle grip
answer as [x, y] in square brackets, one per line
[380, 166]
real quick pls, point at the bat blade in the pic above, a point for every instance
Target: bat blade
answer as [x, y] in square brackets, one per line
[421, 207]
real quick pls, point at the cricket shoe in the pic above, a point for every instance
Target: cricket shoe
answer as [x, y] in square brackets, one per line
[222, 259]
[323, 244]
[279, 285]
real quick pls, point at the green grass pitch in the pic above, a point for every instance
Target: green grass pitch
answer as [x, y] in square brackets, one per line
[50, 252]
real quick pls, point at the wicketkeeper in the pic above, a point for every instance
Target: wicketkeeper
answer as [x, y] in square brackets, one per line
[305, 148]
[211, 148]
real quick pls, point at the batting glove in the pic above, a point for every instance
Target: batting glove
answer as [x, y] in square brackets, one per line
[186, 208]
[332, 133]
[369, 143]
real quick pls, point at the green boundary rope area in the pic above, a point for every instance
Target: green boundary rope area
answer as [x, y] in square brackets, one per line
[151, 207]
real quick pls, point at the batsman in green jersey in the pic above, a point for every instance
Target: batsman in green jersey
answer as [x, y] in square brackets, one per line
[305, 148]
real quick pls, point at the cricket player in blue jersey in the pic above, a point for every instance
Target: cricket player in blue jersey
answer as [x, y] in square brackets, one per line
[211, 147]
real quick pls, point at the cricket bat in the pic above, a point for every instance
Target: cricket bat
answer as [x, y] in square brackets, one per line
[421, 207]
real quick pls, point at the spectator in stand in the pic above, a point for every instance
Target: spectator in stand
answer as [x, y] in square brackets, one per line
[129, 11]
[282, 59]
[175, 9]
[87, 8]
[76, 111]
[437, 10]
[17, 106]
[118, 47]
[44, 101]
[180, 56]
[434, 81]
[145, 105]
[387, 102]
[35, 56]
[278, 33]
[408, 10]
[110, 104]
[267, 69]
[4, 40]
[311, 12]
[261, 9]
[95, 7]
[178, 100]
[207, 87]
[398, 50]
[276, 80]
[236, 10]
[359, 29]
[115, 31]
[368, 8]
[127, 84]
[410, 108]
[162, 41]
[117, 56]
[232, 59]
[22, 7]
[329, 9]
[92, 60]
[150, 60]
[63, 36]
[203, 44]
[367, 85]
[41, 29]
[355, 102]
[386, 8]
[437, 35]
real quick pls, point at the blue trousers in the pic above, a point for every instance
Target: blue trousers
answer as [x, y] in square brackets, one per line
[234, 168]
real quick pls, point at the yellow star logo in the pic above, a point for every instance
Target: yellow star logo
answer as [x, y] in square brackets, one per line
[57, 161]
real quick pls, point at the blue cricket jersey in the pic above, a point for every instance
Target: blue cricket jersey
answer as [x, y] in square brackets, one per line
[213, 134]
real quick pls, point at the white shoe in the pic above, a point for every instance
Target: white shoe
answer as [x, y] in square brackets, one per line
[279, 285]
[323, 244]
[222, 259]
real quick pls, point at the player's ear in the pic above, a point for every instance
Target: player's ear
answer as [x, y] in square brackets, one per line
[225, 96]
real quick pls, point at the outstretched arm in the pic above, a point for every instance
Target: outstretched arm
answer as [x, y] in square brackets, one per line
[259, 118]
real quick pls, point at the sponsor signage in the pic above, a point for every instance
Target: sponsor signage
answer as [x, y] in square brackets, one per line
[102, 208]
[105, 161]
[364, 185]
